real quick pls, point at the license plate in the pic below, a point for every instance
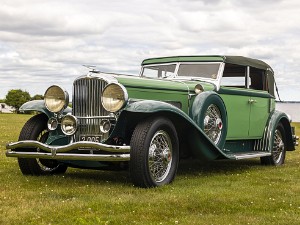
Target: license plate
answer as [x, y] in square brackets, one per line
[91, 138]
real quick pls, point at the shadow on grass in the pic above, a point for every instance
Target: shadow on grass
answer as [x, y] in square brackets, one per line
[191, 167]
[99, 176]
[186, 167]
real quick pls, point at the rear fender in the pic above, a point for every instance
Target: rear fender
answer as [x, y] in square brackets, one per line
[265, 144]
[188, 131]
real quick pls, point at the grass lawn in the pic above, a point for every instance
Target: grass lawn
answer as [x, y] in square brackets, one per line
[222, 192]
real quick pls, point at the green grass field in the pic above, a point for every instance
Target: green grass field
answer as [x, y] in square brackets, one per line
[223, 192]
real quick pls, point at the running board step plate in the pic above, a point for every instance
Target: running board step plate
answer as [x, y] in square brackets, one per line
[248, 155]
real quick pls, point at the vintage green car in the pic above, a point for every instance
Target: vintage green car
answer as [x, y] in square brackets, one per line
[205, 107]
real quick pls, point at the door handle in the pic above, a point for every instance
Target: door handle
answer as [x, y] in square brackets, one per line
[250, 101]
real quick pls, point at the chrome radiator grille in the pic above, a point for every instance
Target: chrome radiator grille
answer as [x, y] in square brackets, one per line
[87, 106]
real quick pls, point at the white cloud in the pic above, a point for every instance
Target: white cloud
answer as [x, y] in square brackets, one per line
[46, 42]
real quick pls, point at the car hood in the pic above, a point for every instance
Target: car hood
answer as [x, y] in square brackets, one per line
[162, 84]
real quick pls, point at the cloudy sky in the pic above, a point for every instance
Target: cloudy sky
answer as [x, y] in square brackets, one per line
[47, 42]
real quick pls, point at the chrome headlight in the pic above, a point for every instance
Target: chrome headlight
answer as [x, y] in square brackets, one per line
[56, 99]
[69, 125]
[52, 123]
[198, 89]
[114, 97]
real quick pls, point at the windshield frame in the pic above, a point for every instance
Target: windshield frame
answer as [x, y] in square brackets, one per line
[177, 77]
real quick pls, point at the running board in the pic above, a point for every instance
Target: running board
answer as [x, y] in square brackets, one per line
[248, 155]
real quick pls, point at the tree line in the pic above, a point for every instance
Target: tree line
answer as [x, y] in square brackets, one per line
[18, 97]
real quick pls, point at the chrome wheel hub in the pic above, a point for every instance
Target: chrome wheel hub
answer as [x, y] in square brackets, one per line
[278, 146]
[160, 156]
[213, 124]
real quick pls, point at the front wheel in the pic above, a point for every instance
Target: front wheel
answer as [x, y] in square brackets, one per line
[278, 149]
[154, 153]
[36, 129]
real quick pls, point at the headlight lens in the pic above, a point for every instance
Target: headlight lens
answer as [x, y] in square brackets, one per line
[114, 97]
[52, 123]
[69, 125]
[105, 126]
[56, 99]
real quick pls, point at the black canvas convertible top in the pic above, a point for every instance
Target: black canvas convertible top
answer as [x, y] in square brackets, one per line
[239, 60]
[245, 61]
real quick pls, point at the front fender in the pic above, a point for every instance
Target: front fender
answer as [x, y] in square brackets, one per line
[188, 131]
[39, 106]
[56, 137]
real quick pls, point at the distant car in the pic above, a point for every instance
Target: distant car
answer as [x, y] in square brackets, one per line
[208, 107]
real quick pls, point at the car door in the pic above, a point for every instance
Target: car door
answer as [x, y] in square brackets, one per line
[238, 113]
[234, 92]
[259, 114]
[259, 102]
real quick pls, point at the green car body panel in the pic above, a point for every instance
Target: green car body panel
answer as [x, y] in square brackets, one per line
[224, 110]
[160, 90]
[55, 137]
[199, 144]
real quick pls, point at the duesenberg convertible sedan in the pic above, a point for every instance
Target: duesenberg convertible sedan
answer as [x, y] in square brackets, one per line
[206, 107]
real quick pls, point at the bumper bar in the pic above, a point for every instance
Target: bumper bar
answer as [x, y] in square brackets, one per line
[121, 153]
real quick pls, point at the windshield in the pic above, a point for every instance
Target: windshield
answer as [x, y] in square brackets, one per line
[204, 70]
[197, 70]
[159, 71]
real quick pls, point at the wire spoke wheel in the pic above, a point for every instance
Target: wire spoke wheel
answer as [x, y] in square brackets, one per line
[278, 146]
[160, 156]
[36, 129]
[46, 165]
[213, 123]
[154, 153]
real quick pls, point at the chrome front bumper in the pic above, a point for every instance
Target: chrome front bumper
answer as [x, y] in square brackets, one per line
[90, 151]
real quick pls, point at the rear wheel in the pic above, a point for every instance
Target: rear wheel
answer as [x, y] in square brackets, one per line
[36, 129]
[154, 153]
[278, 149]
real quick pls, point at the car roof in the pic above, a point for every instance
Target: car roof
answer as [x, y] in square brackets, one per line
[238, 60]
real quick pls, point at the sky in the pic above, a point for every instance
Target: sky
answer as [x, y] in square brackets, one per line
[46, 42]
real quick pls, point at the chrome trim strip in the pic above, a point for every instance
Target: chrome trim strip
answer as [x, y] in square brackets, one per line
[69, 147]
[68, 156]
[96, 117]
[259, 145]
[247, 84]
[249, 155]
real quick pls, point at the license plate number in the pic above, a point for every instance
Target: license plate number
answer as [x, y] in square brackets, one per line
[91, 138]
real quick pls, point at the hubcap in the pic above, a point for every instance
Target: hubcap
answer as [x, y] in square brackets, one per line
[160, 156]
[213, 124]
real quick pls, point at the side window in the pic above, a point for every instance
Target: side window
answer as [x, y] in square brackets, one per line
[234, 76]
[258, 79]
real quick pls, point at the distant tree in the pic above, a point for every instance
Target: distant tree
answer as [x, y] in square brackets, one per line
[37, 97]
[16, 98]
